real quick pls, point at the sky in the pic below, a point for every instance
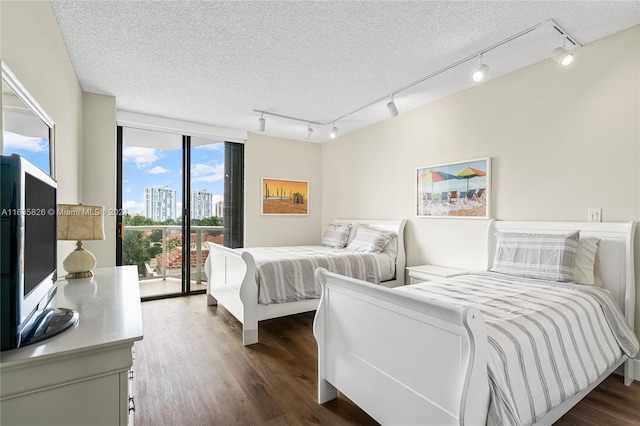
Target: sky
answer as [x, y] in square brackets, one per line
[143, 166]
[459, 184]
[36, 150]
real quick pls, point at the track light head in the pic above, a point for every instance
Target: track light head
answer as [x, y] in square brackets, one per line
[391, 106]
[334, 132]
[308, 132]
[262, 123]
[480, 73]
[563, 57]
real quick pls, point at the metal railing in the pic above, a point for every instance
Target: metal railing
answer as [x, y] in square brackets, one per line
[166, 229]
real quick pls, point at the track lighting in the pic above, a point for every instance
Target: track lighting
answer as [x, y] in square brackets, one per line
[334, 132]
[391, 106]
[262, 123]
[308, 132]
[481, 72]
[561, 55]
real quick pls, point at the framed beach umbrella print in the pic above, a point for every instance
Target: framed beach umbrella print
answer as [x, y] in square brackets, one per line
[454, 190]
[285, 196]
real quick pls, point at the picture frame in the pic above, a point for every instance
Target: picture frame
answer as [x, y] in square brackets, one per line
[28, 130]
[454, 190]
[284, 197]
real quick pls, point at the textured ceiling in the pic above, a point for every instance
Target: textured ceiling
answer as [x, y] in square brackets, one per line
[214, 62]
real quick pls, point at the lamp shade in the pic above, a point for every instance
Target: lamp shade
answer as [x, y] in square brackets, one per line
[80, 222]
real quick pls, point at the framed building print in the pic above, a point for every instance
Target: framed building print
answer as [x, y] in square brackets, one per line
[285, 196]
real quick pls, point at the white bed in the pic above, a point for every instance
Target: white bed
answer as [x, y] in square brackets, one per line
[408, 360]
[232, 281]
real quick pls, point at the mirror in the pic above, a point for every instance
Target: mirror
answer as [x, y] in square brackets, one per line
[27, 130]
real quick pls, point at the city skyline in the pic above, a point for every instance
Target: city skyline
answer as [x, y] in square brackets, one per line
[152, 167]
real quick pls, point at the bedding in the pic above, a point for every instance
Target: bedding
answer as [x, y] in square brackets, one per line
[531, 255]
[587, 267]
[546, 340]
[286, 274]
[369, 239]
[336, 235]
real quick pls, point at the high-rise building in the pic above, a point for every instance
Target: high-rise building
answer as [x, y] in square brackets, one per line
[219, 208]
[160, 203]
[201, 204]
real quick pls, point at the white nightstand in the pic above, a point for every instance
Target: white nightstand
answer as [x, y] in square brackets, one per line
[422, 273]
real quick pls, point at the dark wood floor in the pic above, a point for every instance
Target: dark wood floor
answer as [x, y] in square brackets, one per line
[191, 369]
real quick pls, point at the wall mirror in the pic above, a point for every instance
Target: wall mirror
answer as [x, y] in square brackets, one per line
[27, 130]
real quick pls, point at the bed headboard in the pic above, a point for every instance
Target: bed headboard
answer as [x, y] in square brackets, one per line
[397, 226]
[616, 252]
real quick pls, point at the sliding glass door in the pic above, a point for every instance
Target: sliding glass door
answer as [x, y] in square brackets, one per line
[170, 213]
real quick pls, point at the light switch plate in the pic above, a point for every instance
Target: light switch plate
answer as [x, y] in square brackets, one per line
[595, 214]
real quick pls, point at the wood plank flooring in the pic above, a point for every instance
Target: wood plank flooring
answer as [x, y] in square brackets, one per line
[191, 369]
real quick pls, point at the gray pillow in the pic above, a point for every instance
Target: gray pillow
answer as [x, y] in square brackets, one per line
[336, 235]
[370, 240]
[542, 256]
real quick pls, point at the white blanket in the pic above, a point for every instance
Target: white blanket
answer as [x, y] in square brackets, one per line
[286, 274]
[546, 340]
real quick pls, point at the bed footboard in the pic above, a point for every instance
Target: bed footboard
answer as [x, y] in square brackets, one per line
[401, 359]
[231, 282]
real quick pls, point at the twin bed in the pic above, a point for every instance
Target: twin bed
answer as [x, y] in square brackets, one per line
[256, 284]
[520, 343]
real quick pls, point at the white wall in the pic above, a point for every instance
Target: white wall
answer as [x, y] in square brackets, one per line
[561, 141]
[33, 48]
[287, 159]
[99, 169]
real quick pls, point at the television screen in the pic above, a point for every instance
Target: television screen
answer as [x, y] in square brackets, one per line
[39, 231]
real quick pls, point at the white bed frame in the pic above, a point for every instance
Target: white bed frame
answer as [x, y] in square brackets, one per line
[232, 284]
[404, 360]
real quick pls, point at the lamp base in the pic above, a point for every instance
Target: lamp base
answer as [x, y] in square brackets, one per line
[72, 275]
[79, 263]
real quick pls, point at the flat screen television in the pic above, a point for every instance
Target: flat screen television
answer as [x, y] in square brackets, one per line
[28, 247]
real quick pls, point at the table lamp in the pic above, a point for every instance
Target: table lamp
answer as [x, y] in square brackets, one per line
[80, 222]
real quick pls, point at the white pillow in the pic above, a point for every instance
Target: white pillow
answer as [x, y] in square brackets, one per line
[336, 235]
[352, 232]
[587, 266]
[392, 248]
[369, 239]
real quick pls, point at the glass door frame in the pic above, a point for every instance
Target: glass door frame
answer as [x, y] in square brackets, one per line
[185, 215]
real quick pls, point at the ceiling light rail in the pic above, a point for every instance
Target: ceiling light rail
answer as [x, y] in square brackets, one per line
[483, 69]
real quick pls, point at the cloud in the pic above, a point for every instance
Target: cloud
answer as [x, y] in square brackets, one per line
[157, 170]
[219, 146]
[141, 156]
[133, 207]
[15, 141]
[127, 189]
[207, 172]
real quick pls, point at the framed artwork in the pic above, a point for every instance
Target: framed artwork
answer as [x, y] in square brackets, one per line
[454, 190]
[285, 196]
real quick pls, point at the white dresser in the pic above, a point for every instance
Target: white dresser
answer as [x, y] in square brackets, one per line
[81, 376]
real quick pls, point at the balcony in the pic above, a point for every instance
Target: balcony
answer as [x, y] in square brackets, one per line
[157, 251]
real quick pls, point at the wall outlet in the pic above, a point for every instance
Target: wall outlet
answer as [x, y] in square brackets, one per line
[595, 215]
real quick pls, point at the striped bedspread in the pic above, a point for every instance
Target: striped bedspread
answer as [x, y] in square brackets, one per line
[546, 340]
[286, 274]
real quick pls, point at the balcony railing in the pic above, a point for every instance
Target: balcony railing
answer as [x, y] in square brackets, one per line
[159, 254]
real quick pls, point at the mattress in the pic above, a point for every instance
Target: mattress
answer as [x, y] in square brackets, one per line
[286, 274]
[546, 340]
